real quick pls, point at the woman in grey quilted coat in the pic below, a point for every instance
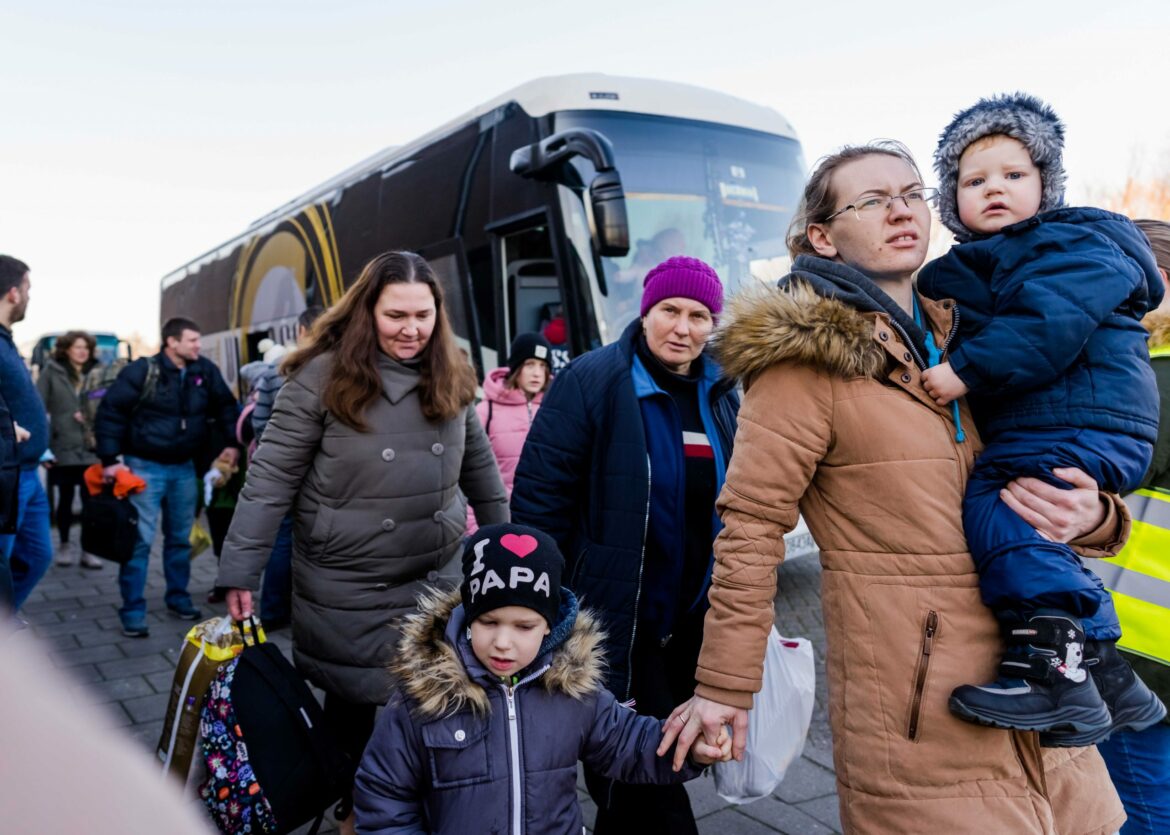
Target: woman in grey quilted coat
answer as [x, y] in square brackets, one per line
[373, 444]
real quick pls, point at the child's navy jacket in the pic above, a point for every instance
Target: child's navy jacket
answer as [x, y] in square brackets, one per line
[455, 751]
[1049, 317]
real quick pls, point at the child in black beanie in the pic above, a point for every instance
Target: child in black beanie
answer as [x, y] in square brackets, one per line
[500, 696]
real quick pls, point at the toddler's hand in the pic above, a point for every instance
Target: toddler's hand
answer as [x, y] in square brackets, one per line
[704, 753]
[22, 434]
[942, 384]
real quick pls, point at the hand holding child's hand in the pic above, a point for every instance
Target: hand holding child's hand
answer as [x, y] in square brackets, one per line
[943, 384]
[704, 753]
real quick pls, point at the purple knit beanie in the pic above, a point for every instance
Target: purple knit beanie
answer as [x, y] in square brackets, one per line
[681, 276]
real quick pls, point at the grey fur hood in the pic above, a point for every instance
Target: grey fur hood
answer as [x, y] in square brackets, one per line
[437, 671]
[1018, 115]
[766, 325]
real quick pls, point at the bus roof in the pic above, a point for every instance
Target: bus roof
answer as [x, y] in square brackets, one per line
[539, 97]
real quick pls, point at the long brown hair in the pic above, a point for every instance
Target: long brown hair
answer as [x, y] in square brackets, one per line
[61, 352]
[819, 200]
[348, 331]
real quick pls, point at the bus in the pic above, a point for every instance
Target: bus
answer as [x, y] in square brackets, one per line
[545, 206]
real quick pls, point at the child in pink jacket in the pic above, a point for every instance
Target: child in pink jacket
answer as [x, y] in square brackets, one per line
[512, 395]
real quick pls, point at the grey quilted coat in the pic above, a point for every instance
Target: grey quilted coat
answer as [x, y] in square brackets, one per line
[378, 515]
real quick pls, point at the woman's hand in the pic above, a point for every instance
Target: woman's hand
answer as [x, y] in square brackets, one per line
[702, 716]
[1058, 515]
[239, 603]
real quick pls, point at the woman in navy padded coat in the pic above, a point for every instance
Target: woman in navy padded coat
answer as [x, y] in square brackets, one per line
[622, 467]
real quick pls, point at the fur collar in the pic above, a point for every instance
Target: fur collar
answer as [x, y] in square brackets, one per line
[1158, 324]
[765, 325]
[431, 671]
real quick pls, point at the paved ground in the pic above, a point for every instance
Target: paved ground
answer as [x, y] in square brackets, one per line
[76, 612]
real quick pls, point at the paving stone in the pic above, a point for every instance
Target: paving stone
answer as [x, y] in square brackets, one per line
[704, 799]
[87, 655]
[824, 809]
[146, 709]
[52, 629]
[784, 818]
[102, 615]
[40, 618]
[69, 594]
[135, 666]
[83, 673]
[147, 735]
[731, 822]
[820, 753]
[805, 780]
[96, 637]
[62, 642]
[156, 643]
[115, 690]
[161, 682]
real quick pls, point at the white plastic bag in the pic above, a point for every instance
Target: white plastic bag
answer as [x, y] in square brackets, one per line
[777, 724]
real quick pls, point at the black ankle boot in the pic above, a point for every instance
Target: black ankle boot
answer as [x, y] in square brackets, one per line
[1041, 684]
[1133, 706]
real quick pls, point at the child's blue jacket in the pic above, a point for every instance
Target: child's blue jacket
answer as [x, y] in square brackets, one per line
[1049, 314]
[445, 756]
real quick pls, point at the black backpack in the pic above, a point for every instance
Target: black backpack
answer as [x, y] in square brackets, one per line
[109, 526]
[271, 763]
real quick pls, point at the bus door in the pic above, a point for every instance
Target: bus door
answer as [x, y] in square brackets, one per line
[529, 294]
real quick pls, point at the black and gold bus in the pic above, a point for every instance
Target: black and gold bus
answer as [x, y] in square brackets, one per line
[546, 204]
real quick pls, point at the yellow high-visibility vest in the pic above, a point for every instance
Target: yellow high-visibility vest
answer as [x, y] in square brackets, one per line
[1139, 577]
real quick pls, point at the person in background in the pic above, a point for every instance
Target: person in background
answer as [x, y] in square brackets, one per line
[1139, 761]
[28, 551]
[157, 416]
[60, 387]
[511, 398]
[622, 467]
[372, 446]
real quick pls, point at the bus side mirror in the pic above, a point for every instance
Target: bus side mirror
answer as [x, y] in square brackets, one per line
[606, 197]
[609, 214]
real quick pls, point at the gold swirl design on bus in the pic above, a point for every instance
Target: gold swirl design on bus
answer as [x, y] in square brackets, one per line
[294, 244]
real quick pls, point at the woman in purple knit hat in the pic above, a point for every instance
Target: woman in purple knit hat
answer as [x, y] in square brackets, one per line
[621, 467]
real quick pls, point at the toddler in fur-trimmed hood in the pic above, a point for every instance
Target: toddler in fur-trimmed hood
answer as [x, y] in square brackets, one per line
[1052, 357]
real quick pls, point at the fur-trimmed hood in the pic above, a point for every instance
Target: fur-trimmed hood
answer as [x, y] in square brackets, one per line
[821, 314]
[438, 672]
[1024, 118]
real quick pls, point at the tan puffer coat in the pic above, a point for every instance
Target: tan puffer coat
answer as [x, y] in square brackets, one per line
[835, 424]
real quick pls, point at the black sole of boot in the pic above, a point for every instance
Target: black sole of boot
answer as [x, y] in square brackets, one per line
[1086, 721]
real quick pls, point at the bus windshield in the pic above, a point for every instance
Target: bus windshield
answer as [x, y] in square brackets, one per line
[722, 194]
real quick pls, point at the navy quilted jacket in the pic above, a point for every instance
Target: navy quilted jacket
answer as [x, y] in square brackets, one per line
[1049, 326]
[584, 479]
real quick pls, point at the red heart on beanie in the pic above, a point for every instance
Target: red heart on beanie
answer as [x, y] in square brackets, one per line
[521, 545]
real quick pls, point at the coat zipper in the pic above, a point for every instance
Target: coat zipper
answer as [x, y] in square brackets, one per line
[928, 633]
[514, 746]
[638, 593]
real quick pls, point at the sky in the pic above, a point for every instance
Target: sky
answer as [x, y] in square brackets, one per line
[135, 136]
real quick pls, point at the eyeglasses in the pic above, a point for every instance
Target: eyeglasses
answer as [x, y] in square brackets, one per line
[870, 205]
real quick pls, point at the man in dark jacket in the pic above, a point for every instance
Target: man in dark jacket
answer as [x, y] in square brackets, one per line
[27, 552]
[157, 415]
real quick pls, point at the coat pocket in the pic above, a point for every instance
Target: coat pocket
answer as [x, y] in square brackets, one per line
[457, 751]
[929, 628]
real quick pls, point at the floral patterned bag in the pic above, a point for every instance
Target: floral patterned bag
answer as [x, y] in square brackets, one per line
[271, 765]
